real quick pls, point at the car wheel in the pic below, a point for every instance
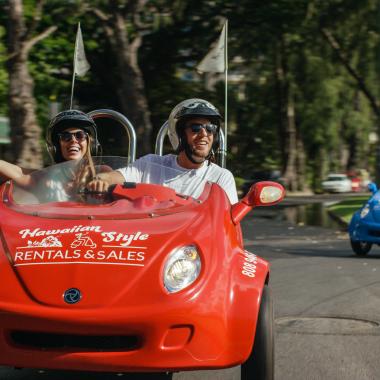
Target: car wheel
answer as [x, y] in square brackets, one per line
[260, 364]
[361, 248]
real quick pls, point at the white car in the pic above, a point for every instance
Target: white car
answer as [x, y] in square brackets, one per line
[337, 183]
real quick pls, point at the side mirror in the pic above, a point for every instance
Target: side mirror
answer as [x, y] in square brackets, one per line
[265, 193]
[372, 187]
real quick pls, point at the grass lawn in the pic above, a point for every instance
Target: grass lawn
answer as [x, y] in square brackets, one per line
[347, 208]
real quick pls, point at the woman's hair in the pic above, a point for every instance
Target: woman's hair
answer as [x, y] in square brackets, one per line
[86, 169]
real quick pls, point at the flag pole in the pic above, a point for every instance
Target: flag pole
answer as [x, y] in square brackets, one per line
[225, 90]
[216, 62]
[72, 90]
[74, 67]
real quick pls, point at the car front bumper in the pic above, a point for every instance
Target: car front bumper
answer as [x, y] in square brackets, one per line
[365, 231]
[335, 189]
[191, 331]
[161, 341]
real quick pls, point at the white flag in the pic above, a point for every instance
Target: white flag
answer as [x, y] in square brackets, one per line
[81, 65]
[215, 60]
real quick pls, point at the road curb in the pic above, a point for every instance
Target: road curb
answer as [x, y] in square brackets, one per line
[337, 218]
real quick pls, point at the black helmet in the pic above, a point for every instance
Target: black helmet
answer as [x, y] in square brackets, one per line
[67, 119]
[186, 110]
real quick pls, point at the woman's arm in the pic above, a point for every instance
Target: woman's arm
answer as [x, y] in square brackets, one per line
[14, 172]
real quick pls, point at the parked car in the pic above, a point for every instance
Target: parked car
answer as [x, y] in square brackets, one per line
[365, 179]
[359, 179]
[356, 184]
[337, 183]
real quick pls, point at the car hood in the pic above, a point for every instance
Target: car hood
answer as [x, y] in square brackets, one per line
[104, 259]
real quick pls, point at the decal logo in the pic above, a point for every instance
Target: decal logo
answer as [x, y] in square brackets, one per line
[81, 245]
[125, 239]
[249, 265]
[38, 232]
[82, 240]
[72, 295]
[50, 241]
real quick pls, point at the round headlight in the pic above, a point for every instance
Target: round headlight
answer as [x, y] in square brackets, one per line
[364, 212]
[182, 268]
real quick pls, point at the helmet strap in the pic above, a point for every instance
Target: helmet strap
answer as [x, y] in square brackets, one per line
[211, 157]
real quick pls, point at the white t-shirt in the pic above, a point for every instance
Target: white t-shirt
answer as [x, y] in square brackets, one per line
[151, 169]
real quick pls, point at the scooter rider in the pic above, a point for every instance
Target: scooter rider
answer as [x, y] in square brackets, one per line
[193, 132]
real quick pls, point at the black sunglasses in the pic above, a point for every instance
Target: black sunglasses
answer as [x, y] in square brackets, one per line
[210, 128]
[68, 136]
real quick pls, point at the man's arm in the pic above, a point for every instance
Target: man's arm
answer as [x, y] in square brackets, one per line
[227, 182]
[102, 181]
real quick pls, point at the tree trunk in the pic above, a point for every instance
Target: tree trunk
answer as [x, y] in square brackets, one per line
[302, 184]
[280, 97]
[319, 167]
[287, 125]
[290, 173]
[131, 86]
[25, 132]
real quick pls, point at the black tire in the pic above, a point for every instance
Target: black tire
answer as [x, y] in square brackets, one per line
[150, 376]
[260, 363]
[361, 248]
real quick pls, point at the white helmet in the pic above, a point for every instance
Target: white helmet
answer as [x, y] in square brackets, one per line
[187, 109]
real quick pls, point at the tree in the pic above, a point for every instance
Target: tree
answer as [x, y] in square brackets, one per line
[304, 124]
[25, 131]
[355, 45]
[3, 74]
[124, 29]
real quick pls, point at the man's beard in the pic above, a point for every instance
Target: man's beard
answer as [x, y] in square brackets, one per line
[196, 157]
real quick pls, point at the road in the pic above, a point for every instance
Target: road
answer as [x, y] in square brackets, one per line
[327, 304]
[327, 301]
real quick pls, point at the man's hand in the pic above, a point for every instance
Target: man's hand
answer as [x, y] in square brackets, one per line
[98, 185]
[102, 181]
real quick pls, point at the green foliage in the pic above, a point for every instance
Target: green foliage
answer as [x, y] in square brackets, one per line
[346, 208]
[3, 75]
[332, 114]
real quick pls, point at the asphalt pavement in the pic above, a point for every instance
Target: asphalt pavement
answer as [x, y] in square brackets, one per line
[327, 300]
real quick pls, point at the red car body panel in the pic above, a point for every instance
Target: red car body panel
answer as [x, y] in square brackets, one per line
[118, 266]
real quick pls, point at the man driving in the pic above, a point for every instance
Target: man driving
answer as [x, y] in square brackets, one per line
[194, 126]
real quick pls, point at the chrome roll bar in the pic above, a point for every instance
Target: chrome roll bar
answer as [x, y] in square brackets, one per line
[123, 120]
[221, 153]
[159, 147]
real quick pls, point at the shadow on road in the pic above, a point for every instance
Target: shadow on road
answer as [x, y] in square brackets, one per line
[7, 373]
